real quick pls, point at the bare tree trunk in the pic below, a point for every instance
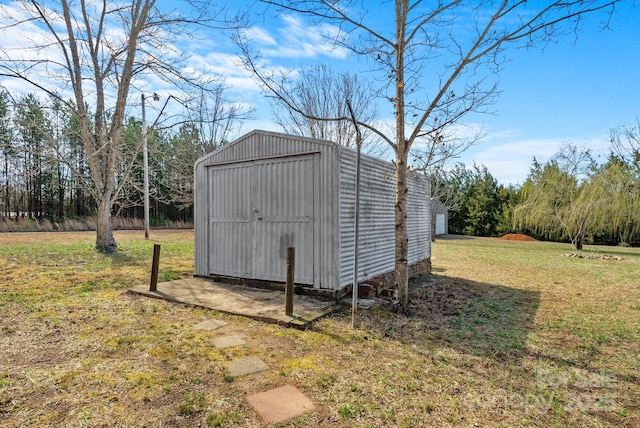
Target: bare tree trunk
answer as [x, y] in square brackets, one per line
[401, 277]
[80, 204]
[577, 242]
[29, 182]
[105, 242]
[40, 205]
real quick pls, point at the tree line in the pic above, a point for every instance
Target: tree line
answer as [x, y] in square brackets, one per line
[44, 173]
[570, 198]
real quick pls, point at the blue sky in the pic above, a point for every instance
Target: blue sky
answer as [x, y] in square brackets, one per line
[572, 91]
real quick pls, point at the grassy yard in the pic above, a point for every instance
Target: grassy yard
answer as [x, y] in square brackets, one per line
[503, 333]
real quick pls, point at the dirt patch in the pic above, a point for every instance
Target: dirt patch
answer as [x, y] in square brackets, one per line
[517, 237]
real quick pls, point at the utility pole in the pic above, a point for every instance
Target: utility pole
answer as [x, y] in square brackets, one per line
[145, 166]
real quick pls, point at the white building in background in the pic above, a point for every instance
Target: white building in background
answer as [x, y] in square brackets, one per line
[439, 217]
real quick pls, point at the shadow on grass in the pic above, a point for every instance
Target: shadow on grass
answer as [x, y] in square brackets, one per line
[473, 317]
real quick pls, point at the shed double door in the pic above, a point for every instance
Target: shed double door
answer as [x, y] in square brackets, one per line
[258, 209]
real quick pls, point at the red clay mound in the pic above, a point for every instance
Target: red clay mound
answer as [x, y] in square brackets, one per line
[517, 237]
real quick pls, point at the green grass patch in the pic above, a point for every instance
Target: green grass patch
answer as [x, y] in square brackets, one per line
[193, 402]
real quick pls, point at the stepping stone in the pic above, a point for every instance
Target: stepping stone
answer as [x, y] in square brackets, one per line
[280, 404]
[246, 366]
[210, 325]
[229, 342]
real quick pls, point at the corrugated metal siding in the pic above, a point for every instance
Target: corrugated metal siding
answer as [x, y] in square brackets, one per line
[264, 145]
[333, 202]
[201, 208]
[419, 218]
[284, 206]
[231, 220]
[377, 218]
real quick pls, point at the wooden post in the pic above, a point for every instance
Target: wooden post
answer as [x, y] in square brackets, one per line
[288, 288]
[154, 267]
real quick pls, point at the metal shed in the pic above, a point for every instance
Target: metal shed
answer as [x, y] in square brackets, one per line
[267, 191]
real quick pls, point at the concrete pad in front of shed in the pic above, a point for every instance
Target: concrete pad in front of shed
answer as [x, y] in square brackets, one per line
[281, 404]
[210, 325]
[229, 342]
[246, 366]
[256, 303]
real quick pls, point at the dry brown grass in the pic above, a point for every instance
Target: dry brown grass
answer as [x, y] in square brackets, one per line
[78, 225]
[502, 334]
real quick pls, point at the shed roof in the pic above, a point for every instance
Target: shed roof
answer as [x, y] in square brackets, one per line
[260, 140]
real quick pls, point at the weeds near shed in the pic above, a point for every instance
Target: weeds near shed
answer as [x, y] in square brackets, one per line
[347, 412]
[222, 419]
[193, 402]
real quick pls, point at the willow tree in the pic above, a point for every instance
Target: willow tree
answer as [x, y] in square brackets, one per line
[568, 197]
[433, 62]
[620, 194]
[556, 204]
[623, 169]
[95, 53]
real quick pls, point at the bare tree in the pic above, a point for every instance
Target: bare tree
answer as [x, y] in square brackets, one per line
[97, 51]
[625, 142]
[321, 92]
[431, 155]
[216, 119]
[432, 65]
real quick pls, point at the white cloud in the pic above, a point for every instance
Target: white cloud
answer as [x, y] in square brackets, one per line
[298, 39]
[509, 157]
[18, 39]
[239, 80]
[259, 36]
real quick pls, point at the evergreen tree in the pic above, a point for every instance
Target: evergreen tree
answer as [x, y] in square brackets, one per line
[7, 151]
[34, 129]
